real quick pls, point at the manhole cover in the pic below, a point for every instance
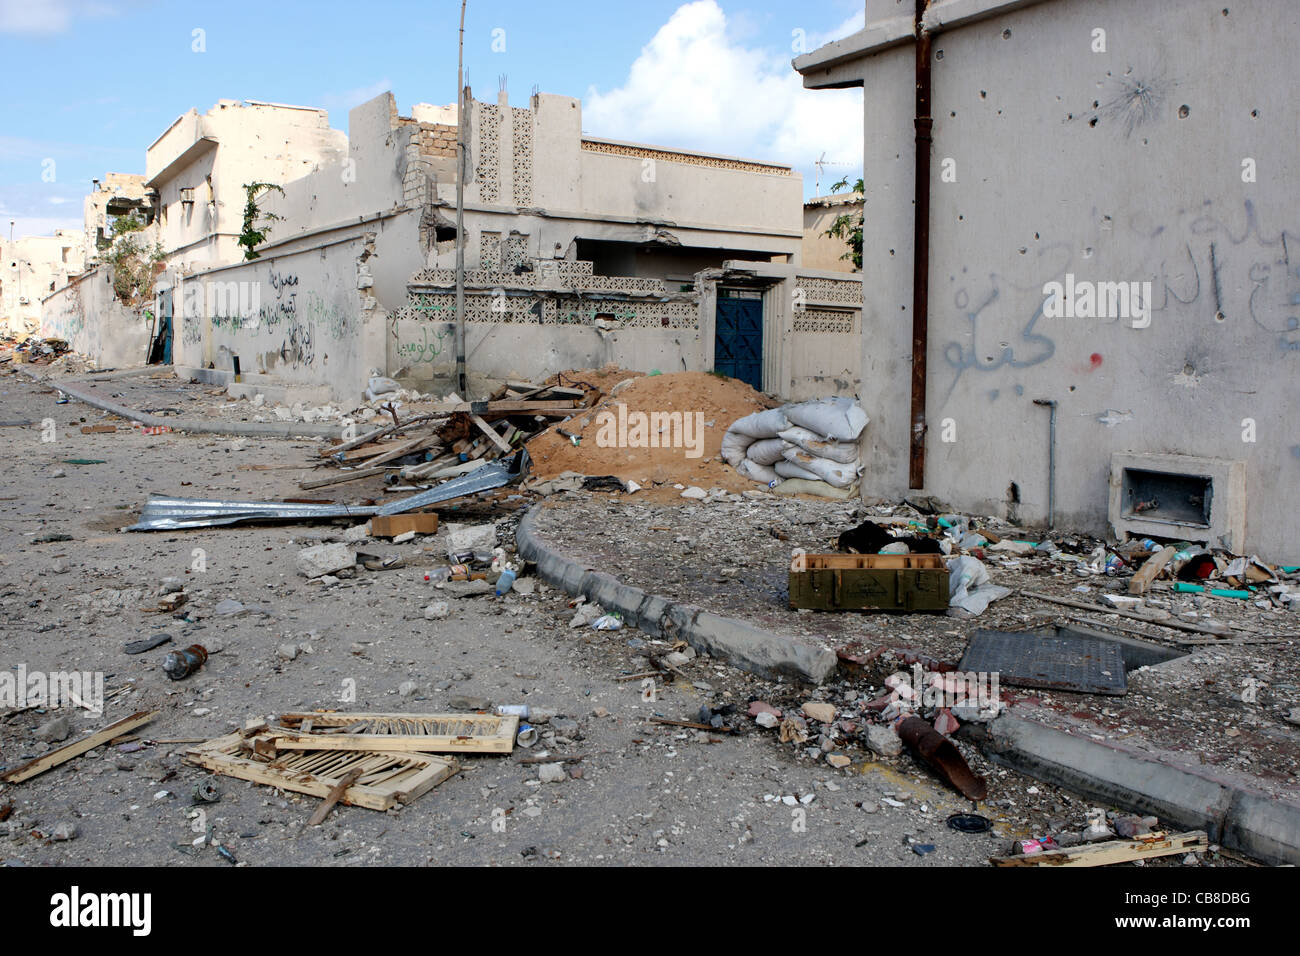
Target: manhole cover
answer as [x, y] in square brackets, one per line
[1034, 659]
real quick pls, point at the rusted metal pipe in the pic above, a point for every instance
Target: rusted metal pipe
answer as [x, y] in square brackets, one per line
[939, 753]
[920, 252]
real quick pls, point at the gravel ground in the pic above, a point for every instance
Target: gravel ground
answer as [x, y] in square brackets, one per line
[731, 554]
[642, 794]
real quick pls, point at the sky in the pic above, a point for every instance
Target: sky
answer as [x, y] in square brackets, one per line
[87, 85]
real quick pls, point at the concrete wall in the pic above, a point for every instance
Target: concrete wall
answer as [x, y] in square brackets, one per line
[215, 155]
[1118, 166]
[95, 324]
[303, 317]
[30, 269]
[821, 251]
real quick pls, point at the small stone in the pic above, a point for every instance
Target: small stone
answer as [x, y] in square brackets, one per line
[759, 707]
[287, 652]
[408, 688]
[883, 741]
[470, 703]
[767, 720]
[467, 588]
[325, 559]
[64, 832]
[820, 712]
[838, 761]
[437, 611]
[54, 730]
[695, 493]
[551, 773]
[564, 726]
[404, 537]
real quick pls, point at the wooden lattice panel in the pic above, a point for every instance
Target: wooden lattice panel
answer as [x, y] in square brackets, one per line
[387, 778]
[410, 733]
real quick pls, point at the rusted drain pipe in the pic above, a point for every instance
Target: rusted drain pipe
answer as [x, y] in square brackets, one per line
[921, 251]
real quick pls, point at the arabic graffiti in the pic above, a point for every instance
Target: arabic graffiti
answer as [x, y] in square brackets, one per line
[421, 349]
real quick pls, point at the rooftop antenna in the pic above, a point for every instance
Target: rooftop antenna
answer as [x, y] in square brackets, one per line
[822, 164]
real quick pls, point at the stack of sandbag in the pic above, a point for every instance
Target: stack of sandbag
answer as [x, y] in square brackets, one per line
[800, 448]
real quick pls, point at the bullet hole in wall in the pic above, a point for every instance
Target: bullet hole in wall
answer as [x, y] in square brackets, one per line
[1006, 34]
[1219, 317]
[953, 113]
[1184, 111]
[984, 94]
[1092, 122]
[1036, 235]
[1254, 114]
[938, 54]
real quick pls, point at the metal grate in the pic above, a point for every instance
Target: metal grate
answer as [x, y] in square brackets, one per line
[1031, 659]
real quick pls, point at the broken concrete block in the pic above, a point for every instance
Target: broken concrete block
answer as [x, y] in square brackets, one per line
[325, 559]
[287, 652]
[437, 611]
[883, 741]
[766, 720]
[467, 588]
[551, 773]
[820, 712]
[695, 493]
[472, 537]
[838, 761]
[54, 730]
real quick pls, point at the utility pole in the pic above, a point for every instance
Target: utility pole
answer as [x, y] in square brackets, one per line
[461, 385]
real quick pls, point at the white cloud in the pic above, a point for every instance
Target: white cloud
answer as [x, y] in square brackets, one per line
[47, 16]
[342, 102]
[695, 86]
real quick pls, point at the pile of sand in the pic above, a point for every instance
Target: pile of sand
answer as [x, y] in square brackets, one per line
[668, 429]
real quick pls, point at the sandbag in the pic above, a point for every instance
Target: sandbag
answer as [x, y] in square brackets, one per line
[752, 470]
[839, 475]
[801, 486]
[767, 424]
[734, 447]
[845, 452]
[838, 419]
[787, 469]
[767, 451]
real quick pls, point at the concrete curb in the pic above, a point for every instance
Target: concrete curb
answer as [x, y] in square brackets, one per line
[736, 642]
[1248, 821]
[239, 429]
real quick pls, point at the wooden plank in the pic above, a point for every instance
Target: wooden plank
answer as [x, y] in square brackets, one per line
[333, 797]
[1113, 851]
[509, 407]
[491, 433]
[75, 749]
[387, 778]
[1150, 569]
[1098, 609]
[403, 448]
[405, 733]
[390, 526]
[341, 478]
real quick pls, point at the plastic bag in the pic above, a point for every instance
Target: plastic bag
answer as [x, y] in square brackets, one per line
[788, 469]
[845, 452]
[766, 424]
[752, 470]
[767, 451]
[840, 419]
[734, 447]
[831, 472]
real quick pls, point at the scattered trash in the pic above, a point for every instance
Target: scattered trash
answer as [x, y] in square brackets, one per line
[181, 664]
[970, 823]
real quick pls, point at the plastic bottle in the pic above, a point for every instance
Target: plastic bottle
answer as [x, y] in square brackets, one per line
[438, 575]
[506, 581]
[181, 664]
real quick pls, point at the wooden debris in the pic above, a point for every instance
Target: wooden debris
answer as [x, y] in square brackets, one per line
[1097, 609]
[390, 526]
[1113, 851]
[1150, 570]
[333, 797]
[428, 733]
[78, 747]
[386, 778]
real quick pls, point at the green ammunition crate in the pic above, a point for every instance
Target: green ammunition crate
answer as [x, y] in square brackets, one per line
[869, 582]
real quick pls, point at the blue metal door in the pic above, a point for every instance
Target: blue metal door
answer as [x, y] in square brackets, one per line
[738, 351]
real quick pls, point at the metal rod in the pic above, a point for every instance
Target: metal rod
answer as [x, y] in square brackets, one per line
[920, 252]
[460, 211]
[1051, 460]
